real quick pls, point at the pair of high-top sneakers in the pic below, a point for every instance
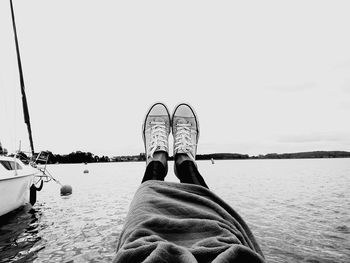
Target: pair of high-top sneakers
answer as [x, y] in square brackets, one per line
[158, 125]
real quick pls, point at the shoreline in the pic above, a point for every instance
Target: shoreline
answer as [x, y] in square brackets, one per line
[88, 157]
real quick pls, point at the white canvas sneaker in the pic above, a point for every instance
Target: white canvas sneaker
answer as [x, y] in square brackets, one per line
[185, 128]
[156, 130]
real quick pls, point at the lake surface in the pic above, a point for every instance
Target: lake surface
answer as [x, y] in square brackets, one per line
[299, 210]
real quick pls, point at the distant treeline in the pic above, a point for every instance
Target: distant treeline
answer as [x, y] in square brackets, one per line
[88, 157]
[238, 156]
[73, 157]
[77, 157]
[222, 156]
[303, 155]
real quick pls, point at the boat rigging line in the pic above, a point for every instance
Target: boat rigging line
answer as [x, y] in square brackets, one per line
[46, 176]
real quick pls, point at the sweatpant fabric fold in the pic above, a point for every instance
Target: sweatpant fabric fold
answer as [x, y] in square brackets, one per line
[184, 223]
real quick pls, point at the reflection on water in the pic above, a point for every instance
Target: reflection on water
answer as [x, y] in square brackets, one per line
[19, 235]
[297, 209]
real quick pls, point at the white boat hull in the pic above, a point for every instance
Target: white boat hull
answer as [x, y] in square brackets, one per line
[14, 193]
[14, 184]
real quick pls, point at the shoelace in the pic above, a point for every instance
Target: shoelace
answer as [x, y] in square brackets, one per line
[158, 137]
[183, 141]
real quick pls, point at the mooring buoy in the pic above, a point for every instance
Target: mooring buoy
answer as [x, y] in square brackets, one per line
[66, 189]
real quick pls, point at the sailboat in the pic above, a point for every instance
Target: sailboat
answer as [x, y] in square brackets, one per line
[17, 180]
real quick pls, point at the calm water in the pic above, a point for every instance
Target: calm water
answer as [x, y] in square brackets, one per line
[299, 210]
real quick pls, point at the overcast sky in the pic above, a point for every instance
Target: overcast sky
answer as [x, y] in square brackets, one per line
[263, 76]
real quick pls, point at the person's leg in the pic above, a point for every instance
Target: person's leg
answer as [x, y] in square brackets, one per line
[156, 169]
[155, 133]
[185, 127]
[187, 171]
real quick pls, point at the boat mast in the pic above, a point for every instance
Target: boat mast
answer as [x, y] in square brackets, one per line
[24, 98]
